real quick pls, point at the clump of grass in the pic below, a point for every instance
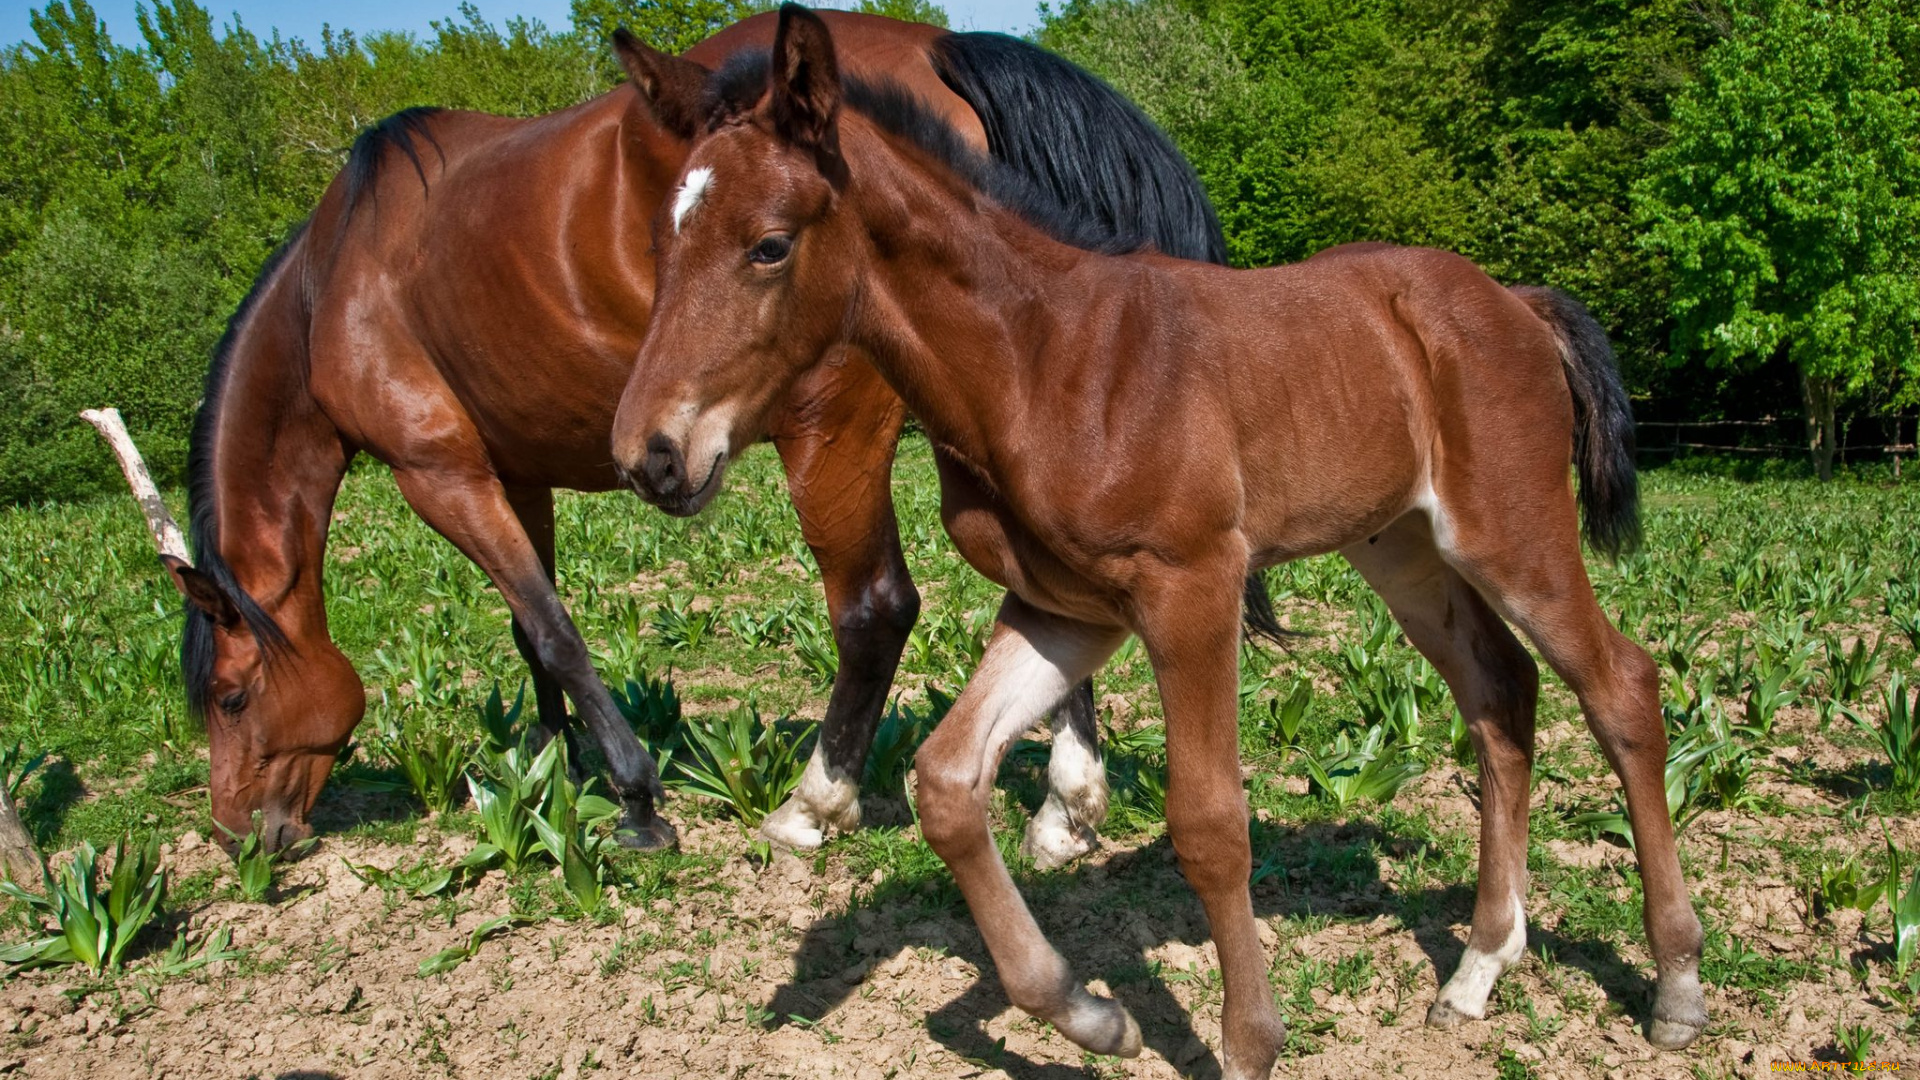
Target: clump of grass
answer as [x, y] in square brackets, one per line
[91, 926]
[898, 738]
[433, 760]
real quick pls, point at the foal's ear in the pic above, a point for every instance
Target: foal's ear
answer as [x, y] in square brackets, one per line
[202, 592]
[803, 83]
[670, 85]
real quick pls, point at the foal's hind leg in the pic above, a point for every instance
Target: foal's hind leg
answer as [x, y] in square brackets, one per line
[1066, 826]
[1496, 686]
[1531, 570]
[534, 509]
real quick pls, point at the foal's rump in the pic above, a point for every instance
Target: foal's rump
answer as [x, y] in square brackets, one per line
[1407, 377]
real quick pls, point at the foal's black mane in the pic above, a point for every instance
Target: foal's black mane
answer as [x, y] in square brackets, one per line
[203, 526]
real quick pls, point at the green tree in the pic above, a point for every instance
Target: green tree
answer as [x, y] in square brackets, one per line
[1787, 207]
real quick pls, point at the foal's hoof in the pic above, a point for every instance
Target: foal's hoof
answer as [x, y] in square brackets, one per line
[1101, 1025]
[1668, 1035]
[1053, 844]
[653, 834]
[1442, 1014]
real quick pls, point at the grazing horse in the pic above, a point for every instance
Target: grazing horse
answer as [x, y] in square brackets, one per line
[465, 305]
[1121, 438]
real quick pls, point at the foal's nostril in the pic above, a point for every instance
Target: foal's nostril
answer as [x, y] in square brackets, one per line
[666, 470]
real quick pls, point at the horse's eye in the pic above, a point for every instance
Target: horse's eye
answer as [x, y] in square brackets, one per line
[234, 702]
[771, 250]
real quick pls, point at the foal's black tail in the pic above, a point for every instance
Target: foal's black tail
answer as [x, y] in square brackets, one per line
[1102, 162]
[1603, 446]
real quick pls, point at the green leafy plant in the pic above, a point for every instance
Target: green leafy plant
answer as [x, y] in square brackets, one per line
[185, 955]
[1897, 735]
[1855, 1043]
[651, 707]
[433, 760]
[898, 738]
[422, 879]
[1846, 886]
[1136, 763]
[742, 761]
[813, 644]
[447, 959]
[253, 864]
[1850, 670]
[1779, 670]
[500, 726]
[92, 926]
[16, 766]
[1287, 715]
[1374, 769]
[680, 626]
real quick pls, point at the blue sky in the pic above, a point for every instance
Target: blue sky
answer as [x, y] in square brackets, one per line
[303, 20]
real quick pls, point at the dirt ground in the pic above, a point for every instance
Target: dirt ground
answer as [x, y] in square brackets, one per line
[805, 967]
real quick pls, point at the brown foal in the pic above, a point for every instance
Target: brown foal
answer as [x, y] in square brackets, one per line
[1121, 438]
[465, 305]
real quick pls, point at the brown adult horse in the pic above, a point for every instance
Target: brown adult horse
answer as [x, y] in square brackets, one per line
[465, 305]
[1121, 438]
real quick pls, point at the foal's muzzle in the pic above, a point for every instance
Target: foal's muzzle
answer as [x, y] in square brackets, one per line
[660, 476]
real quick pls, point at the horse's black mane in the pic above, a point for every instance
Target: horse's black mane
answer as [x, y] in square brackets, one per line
[203, 526]
[398, 132]
[1098, 175]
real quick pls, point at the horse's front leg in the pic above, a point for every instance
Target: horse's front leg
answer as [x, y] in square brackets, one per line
[467, 504]
[1032, 661]
[1190, 624]
[837, 442]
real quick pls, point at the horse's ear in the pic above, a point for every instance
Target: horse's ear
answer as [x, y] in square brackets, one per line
[202, 592]
[670, 86]
[803, 88]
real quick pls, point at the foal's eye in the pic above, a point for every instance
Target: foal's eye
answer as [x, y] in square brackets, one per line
[234, 702]
[771, 250]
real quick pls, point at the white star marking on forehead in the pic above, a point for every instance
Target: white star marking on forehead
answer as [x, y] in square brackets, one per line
[692, 190]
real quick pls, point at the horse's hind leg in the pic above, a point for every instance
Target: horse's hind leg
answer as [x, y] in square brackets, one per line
[1032, 661]
[1066, 825]
[1531, 571]
[534, 509]
[1496, 686]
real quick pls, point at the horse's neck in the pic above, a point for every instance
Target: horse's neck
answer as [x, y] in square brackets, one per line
[271, 462]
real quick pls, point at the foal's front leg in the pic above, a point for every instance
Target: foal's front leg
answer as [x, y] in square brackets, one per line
[1191, 628]
[1032, 661]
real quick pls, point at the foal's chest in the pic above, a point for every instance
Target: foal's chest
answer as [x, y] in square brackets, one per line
[994, 541]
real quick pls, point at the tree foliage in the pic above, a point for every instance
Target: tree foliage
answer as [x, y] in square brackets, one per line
[1787, 205]
[1731, 189]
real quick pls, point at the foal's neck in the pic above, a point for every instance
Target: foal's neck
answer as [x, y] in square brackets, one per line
[971, 313]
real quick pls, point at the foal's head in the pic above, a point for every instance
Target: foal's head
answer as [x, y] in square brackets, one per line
[752, 263]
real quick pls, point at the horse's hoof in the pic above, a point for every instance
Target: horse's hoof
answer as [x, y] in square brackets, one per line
[1668, 1035]
[654, 834]
[1442, 1014]
[1101, 1025]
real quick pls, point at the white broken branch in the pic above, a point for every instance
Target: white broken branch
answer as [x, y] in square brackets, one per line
[166, 533]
